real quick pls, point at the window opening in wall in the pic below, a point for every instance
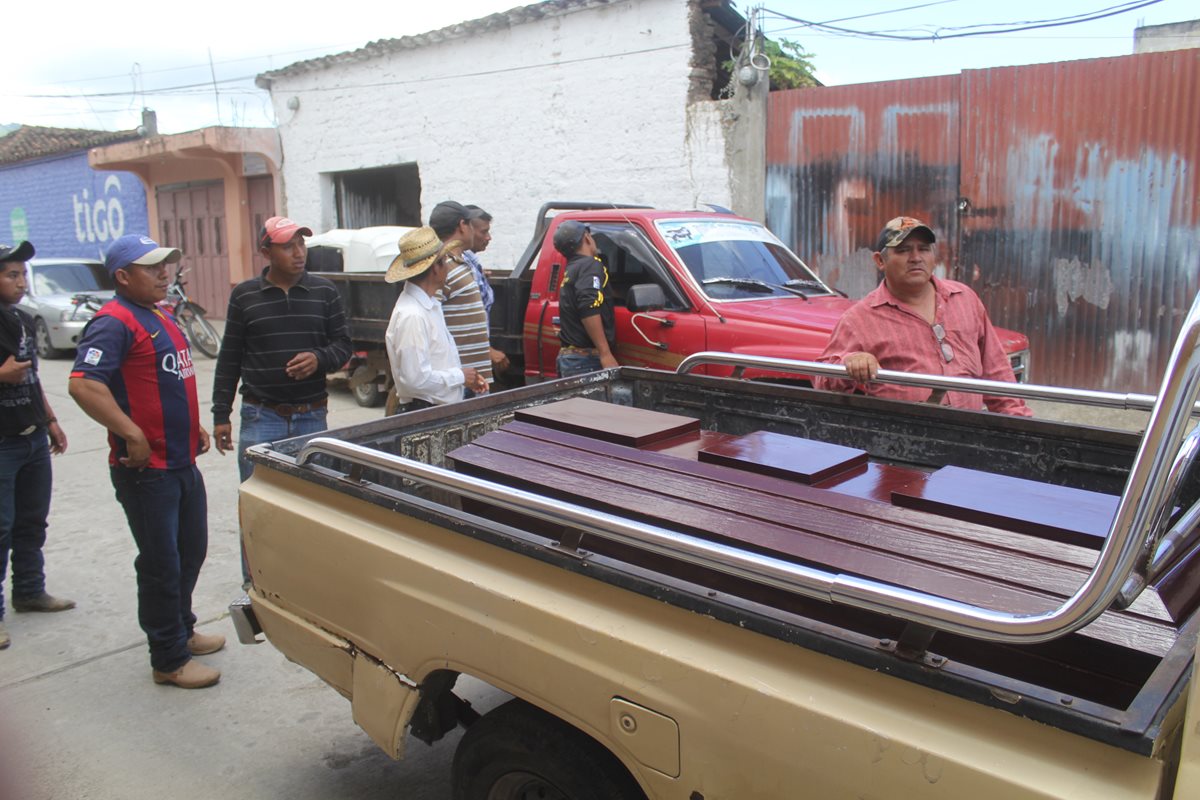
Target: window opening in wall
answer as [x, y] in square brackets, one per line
[199, 236]
[183, 236]
[166, 233]
[378, 196]
[218, 241]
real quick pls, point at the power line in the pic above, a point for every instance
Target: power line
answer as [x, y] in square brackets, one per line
[222, 62]
[206, 86]
[968, 30]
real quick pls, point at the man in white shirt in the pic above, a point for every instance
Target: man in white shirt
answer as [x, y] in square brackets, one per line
[425, 363]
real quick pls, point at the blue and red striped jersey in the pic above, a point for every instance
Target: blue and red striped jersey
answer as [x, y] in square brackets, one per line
[144, 359]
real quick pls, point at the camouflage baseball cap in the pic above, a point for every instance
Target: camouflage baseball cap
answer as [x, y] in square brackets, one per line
[897, 230]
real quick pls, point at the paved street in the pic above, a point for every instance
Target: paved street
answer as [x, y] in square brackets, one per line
[79, 714]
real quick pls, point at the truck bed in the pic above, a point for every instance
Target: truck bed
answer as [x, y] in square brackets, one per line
[1116, 680]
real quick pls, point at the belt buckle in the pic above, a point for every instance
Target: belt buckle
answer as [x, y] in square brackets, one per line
[285, 409]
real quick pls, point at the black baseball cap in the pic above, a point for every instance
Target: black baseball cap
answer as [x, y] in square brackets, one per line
[447, 214]
[21, 251]
[569, 235]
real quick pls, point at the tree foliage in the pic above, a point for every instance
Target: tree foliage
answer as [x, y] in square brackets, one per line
[791, 67]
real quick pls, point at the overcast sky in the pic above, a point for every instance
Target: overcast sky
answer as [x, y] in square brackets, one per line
[99, 64]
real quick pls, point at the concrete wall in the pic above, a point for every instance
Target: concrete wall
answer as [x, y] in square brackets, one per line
[66, 208]
[593, 104]
[1172, 36]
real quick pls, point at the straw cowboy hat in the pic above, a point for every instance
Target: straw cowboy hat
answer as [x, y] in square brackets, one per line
[419, 248]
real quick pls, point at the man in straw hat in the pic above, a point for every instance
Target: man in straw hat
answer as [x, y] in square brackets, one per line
[425, 362]
[915, 322]
[133, 374]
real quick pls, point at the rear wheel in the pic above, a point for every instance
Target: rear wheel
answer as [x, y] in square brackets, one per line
[519, 752]
[364, 384]
[200, 332]
[41, 335]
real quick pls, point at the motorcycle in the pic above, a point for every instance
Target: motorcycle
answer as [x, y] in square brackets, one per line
[190, 316]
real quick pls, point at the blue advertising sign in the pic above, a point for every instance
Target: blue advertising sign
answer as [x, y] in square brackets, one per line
[66, 208]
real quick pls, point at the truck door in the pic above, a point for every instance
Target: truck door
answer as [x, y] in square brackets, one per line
[656, 339]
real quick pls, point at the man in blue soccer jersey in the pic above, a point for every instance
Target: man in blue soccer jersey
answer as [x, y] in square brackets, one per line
[134, 375]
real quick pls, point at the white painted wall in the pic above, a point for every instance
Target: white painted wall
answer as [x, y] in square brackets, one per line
[589, 105]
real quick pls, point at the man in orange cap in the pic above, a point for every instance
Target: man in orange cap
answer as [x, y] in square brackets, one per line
[284, 331]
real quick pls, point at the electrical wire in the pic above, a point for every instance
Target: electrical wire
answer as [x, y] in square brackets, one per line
[963, 32]
[207, 85]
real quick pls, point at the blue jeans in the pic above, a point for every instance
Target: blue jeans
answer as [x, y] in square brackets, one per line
[576, 364]
[167, 511]
[260, 425]
[25, 479]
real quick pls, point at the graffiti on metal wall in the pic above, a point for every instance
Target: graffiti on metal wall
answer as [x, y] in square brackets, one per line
[1076, 223]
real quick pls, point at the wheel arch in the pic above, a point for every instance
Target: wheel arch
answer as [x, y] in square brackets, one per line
[387, 704]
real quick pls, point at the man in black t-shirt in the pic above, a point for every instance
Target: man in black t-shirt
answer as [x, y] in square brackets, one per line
[29, 433]
[587, 333]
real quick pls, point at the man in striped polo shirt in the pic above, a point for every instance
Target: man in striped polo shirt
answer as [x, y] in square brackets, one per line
[462, 303]
[284, 331]
[133, 374]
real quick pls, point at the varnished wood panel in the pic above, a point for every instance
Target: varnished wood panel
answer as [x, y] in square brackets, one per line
[962, 561]
[784, 456]
[688, 445]
[1074, 516]
[607, 421]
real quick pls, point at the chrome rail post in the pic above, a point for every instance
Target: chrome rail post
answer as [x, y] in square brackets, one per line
[1027, 391]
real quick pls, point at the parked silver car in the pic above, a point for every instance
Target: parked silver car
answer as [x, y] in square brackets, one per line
[62, 294]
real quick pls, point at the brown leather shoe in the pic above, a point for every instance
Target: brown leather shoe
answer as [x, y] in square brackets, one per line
[192, 675]
[41, 602]
[5, 640]
[201, 644]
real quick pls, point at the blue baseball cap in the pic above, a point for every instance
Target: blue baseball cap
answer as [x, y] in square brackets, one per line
[137, 249]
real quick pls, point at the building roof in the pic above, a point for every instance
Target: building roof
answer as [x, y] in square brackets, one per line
[492, 22]
[34, 141]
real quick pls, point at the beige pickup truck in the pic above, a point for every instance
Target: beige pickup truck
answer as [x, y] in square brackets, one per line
[673, 625]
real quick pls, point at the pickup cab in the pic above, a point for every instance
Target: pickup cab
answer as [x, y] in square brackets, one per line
[697, 587]
[683, 281]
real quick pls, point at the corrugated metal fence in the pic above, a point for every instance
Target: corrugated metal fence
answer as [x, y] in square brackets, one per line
[1065, 194]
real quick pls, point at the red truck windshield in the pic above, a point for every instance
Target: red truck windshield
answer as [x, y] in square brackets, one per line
[732, 260]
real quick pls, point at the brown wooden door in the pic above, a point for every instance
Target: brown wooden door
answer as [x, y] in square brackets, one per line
[261, 193]
[192, 218]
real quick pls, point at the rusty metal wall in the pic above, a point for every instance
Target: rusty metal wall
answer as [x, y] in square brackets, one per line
[1065, 194]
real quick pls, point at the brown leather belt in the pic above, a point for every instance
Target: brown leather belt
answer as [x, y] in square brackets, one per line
[288, 409]
[579, 351]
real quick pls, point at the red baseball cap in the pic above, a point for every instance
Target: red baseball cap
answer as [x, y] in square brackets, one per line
[280, 230]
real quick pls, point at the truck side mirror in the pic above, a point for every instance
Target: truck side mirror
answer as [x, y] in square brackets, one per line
[645, 297]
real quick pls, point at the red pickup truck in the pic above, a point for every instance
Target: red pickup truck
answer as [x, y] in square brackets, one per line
[683, 281]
